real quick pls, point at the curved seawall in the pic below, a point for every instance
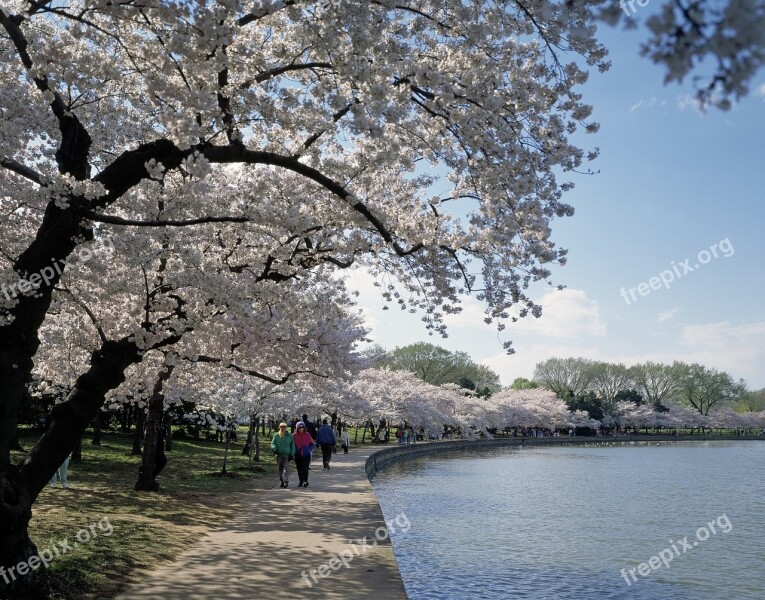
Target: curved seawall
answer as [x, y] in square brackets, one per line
[394, 454]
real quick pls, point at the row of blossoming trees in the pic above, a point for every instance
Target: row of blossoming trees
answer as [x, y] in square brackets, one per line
[401, 397]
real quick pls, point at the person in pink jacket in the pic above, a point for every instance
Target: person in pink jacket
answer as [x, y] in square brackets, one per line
[303, 448]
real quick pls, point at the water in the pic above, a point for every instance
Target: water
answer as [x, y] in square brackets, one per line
[562, 522]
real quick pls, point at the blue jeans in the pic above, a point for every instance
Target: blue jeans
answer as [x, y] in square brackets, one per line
[61, 473]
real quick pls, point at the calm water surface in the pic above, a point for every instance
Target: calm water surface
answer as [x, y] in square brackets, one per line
[562, 522]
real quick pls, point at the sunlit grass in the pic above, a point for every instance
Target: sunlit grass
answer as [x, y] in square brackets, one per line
[147, 527]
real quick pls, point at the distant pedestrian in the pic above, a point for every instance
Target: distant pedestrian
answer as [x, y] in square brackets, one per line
[61, 474]
[303, 447]
[327, 441]
[283, 445]
[345, 438]
[400, 435]
[310, 428]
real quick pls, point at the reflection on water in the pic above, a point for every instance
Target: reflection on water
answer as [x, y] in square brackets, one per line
[562, 522]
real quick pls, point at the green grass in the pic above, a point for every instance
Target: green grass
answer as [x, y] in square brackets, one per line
[147, 527]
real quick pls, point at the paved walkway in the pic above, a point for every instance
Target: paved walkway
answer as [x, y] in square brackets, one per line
[264, 551]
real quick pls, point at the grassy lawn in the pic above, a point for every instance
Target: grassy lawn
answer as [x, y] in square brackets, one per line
[147, 528]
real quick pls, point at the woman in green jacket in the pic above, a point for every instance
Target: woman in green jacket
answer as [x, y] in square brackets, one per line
[284, 447]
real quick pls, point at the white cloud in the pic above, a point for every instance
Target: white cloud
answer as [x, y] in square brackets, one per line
[688, 101]
[522, 363]
[760, 91]
[738, 349]
[567, 314]
[667, 315]
[472, 315]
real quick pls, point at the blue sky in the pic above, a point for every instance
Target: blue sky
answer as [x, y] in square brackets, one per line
[672, 183]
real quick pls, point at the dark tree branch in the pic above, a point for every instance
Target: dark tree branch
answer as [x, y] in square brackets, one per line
[162, 223]
[22, 170]
[263, 376]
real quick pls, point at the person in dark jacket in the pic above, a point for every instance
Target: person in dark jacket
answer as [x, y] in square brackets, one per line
[327, 441]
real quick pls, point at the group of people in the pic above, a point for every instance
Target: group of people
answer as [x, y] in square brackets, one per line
[298, 445]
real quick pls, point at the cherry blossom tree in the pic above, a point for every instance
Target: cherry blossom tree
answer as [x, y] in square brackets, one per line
[134, 115]
[536, 408]
[400, 396]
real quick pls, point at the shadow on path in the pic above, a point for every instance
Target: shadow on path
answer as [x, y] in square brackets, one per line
[270, 548]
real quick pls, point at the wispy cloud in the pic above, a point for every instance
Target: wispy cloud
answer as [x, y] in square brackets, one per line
[566, 314]
[738, 349]
[760, 91]
[667, 315]
[647, 103]
[687, 101]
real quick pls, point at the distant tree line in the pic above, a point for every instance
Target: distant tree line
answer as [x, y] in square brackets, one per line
[597, 387]
[438, 366]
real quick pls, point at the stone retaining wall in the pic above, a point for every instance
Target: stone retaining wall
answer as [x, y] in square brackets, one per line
[396, 453]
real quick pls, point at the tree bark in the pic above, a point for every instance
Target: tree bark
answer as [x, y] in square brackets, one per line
[153, 458]
[168, 433]
[225, 454]
[77, 452]
[247, 450]
[257, 445]
[125, 419]
[15, 444]
[96, 441]
[140, 423]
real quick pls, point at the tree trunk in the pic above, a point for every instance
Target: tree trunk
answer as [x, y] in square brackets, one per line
[77, 452]
[96, 441]
[168, 433]
[20, 486]
[125, 418]
[225, 454]
[247, 450]
[16, 546]
[153, 458]
[140, 423]
[257, 446]
[15, 444]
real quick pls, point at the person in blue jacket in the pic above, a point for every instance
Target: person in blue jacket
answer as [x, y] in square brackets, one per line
[326, 439]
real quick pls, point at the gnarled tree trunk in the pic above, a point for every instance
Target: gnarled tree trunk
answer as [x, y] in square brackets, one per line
[140, 423]
[153, 459]
[20, 486]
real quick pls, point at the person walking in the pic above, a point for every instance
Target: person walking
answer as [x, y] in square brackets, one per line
[283, 445]
[303, 448]
[61, 473]
[345, 439]
[310, 428]
[327, 441]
